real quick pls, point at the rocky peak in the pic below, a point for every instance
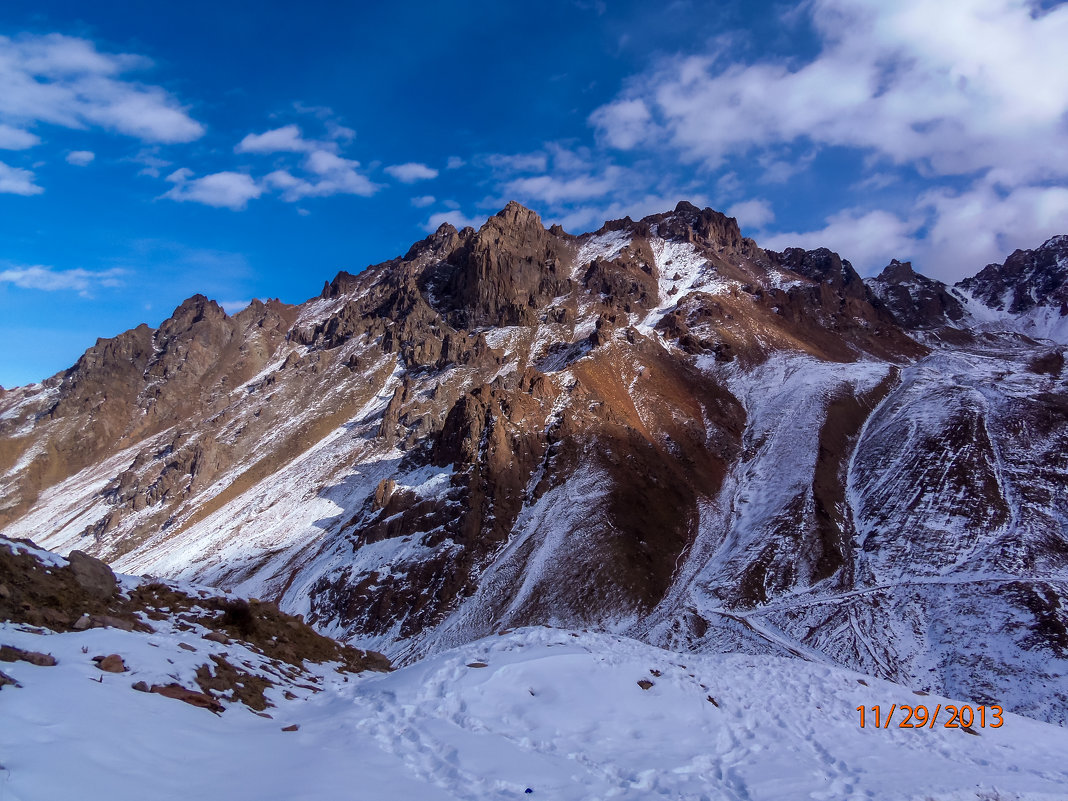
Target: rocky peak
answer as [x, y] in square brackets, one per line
[514, 220]
[821, 265]
[442, 242]
[1027, 279]
[897, 272]
[704, 227]
[507, 271]
[916, 301]
[192, 310]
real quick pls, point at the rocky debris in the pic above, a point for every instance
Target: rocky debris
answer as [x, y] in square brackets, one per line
[192, 697]
[44, 596]
[61, 598]
[6, 680]
[231, 684]
[9, 653]
[140, 686]
[112, 663]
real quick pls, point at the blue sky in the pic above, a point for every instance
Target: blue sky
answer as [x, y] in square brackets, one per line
[149, 151]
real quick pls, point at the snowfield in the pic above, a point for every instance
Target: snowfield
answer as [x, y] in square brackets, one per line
[537, 712]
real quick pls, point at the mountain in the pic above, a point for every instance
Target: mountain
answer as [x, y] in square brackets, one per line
[1030, 287]
[225, 698]
[658, 430]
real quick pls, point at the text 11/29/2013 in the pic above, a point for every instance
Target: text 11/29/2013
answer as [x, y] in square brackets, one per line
[920, 717]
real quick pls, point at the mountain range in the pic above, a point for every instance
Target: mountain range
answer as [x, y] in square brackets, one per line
[658, 430]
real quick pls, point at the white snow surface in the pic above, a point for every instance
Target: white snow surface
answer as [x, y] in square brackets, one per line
[680, 270]
[600, 246]
[549, 714]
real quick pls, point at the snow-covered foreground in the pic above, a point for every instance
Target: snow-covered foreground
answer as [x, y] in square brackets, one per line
[541, 713]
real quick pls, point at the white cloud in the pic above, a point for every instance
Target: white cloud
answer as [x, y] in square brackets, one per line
[153, 164]
[517, 162]
[590, 217]
[325, 171]
[455, 218]
[779, 170]
[65, 81]
[752, 213]
[867, 239]
[17, 181]
[423, 201]
[925, 93]
[80, 158]
[49, 279]
[287, 139]
[952, 87]
[962, 231]
[411, 172]
[12, 138]
[454, 163]
[624, 123]
[332, 175]
[231, 190]
[339, 132]
[234, 306]
[555, 189]
[976, 227]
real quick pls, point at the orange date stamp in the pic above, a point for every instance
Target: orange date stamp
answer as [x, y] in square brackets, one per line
[964, 717]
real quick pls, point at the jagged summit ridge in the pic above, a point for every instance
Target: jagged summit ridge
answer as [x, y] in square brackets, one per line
[1027, 279]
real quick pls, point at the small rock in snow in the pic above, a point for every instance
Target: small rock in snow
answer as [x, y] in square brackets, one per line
[112, 663]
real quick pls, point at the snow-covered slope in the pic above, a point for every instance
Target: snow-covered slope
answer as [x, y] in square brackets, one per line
[537, 712]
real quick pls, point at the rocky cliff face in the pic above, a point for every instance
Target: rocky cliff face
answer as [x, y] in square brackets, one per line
[658, 428]
[916, 301]
[1028, 293]
[1027, 279]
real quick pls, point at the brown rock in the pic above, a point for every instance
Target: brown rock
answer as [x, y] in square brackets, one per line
[180, 693]
[112, 663]
[110, 621]
[82, 623]
[217, 636]
[645, 684]
[383, 492]
[140, 686]
[92, 575]
[292, 727]
[9, 653]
